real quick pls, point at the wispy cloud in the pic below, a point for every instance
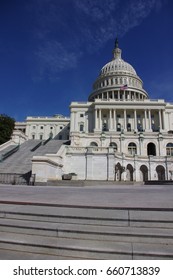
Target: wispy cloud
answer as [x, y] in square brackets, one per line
[65, 27]
[54, 58]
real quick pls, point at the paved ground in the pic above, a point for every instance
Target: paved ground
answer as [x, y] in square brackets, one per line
[105, 196]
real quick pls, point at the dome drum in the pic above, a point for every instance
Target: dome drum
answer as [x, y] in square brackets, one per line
[117, 94]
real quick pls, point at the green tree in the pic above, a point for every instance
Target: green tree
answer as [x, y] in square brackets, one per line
[6, 128]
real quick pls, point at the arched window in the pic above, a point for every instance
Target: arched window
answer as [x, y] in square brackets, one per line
[132, 149]
[169, 149]
[113, 145]
[151, 149]
[93, 144]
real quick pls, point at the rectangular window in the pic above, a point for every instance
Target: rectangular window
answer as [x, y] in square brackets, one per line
[118, 116]
[128, 116]
[81, 115]
[81, 127]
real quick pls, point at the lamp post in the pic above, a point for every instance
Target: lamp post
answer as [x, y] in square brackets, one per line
[160, 138]
[141, 139]
[122, 137]
[102, 137]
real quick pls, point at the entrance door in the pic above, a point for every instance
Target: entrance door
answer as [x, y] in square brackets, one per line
[144, 172]
[160, 173]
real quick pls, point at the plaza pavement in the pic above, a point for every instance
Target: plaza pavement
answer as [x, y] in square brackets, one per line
[104, 195]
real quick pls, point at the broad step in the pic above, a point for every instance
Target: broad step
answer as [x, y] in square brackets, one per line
[90, 232]
[84, 248]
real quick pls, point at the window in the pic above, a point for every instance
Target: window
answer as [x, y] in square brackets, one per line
[169, 149]
[104, 127]
[132, 150]
[33, 136]
[34, 127]
[118, 116]
[118, 127]
[128, 116]
[128, 127]
[93, 144]
[81, 115]
[41, 137]
[41, 127]
[139, 127]
[51, 127]
[81, 127]
[61, 127]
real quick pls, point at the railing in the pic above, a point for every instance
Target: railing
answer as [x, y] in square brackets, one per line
[46, 141]
[93, 149]
[17, 179]
[9, 153]
[36, 147]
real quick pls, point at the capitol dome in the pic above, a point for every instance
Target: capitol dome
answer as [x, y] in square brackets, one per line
[118, 80]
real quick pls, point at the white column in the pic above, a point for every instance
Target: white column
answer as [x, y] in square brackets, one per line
[100, 119]
[115, 120]
[86, 124]
[96, 122]
[72, 121]
[145, 116]
[135, 120]
[160, 120]
[149, 119]
[125, 120]
[118, 95]
[163, 113]
[110, 119]
[113, 94]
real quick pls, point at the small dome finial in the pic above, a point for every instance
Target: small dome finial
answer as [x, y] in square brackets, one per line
[116, 42]
[116, 51]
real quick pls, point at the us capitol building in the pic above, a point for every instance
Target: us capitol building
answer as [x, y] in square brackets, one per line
[119, 134]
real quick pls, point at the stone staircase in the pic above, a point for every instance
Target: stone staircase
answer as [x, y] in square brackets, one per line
[45, 231]
[21, 160]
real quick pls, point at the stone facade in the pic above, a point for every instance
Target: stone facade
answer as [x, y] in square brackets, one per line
[42, 128]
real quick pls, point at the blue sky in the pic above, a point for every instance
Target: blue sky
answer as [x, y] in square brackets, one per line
[51, 51]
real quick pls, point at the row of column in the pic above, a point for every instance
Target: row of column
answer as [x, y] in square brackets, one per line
[121, 95]
[147, 121]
